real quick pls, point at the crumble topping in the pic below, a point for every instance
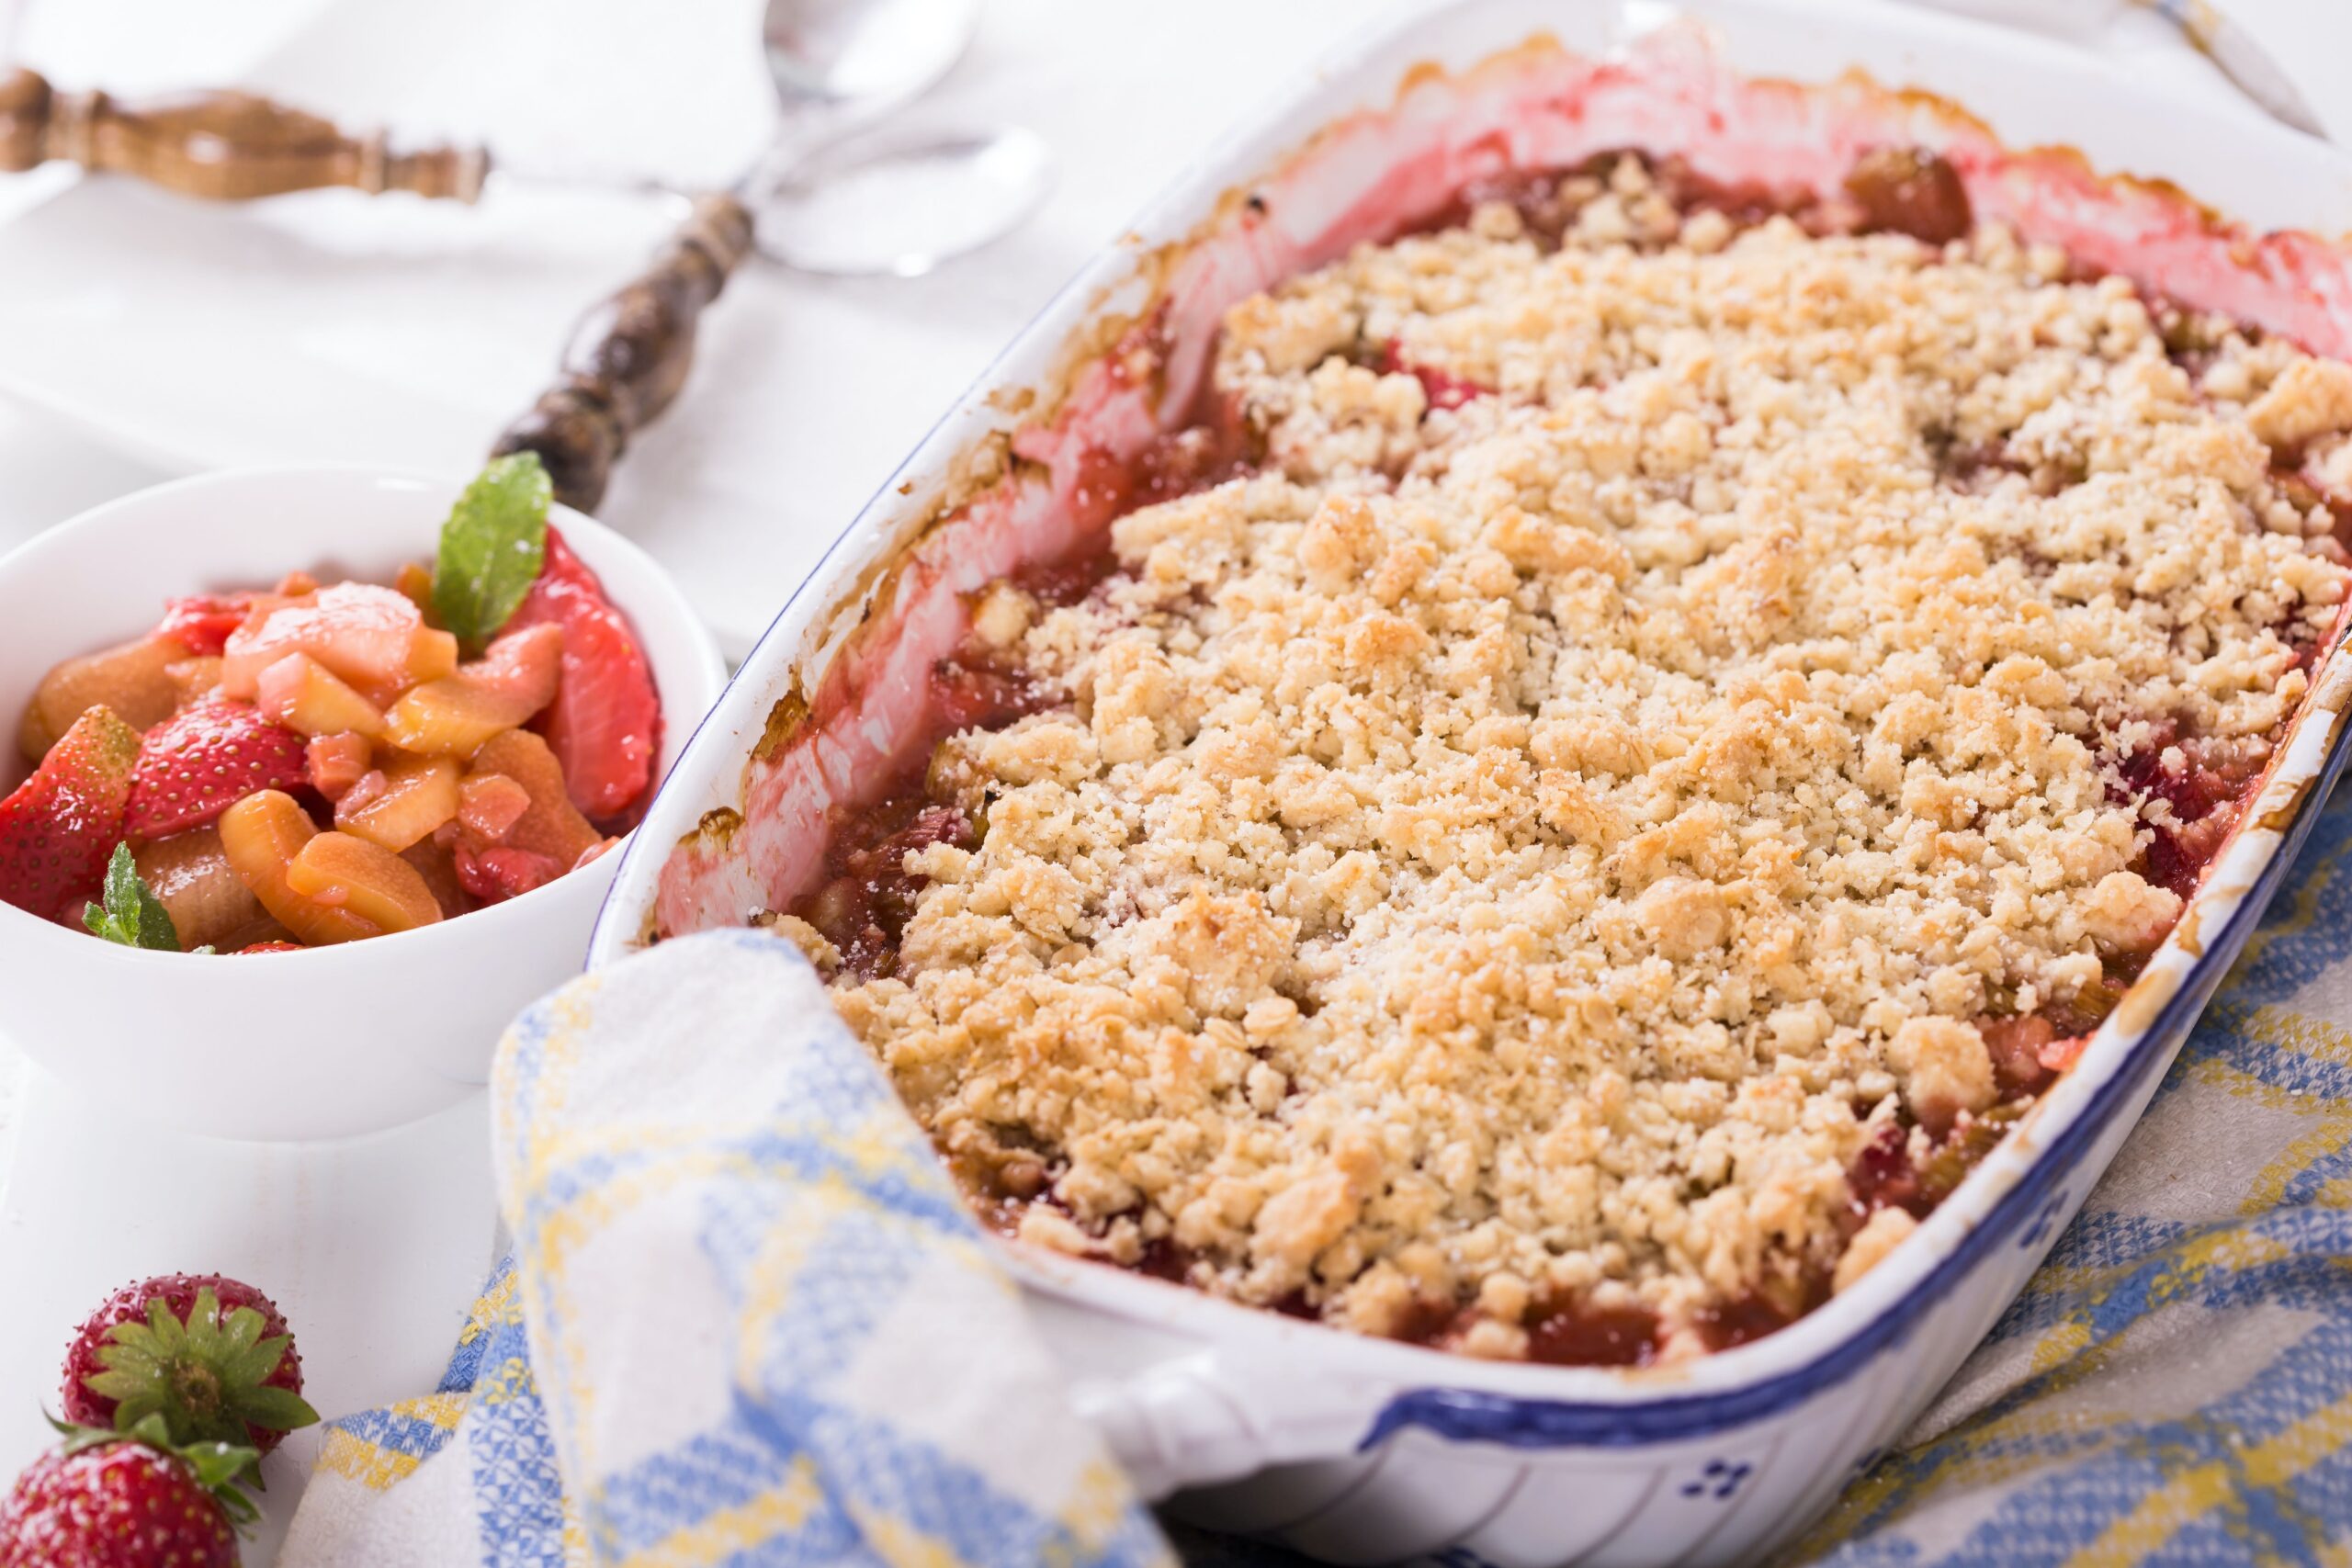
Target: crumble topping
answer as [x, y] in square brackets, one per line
[1678, 718]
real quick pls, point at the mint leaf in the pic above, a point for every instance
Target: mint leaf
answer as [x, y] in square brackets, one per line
[492, 546]
[131, 915]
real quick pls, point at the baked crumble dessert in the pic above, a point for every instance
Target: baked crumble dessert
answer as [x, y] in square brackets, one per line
[1648, 723]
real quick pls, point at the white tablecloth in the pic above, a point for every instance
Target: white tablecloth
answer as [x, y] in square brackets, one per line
[363, 1242]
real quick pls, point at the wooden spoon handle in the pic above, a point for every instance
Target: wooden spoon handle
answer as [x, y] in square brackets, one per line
[631, 354]
[220, 146]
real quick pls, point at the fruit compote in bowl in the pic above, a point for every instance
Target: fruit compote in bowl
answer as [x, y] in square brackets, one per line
[311, 780]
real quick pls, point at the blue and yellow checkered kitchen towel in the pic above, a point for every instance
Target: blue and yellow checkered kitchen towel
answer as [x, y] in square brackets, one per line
[747, 1322]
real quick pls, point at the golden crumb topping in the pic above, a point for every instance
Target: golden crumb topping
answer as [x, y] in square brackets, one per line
[1661, 699]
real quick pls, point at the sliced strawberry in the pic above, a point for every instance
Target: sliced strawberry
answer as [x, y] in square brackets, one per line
[490, 806]
[495, 875]
[205, 759]
[58, 827]
[605, 725]
[202, 622]
[269, 947]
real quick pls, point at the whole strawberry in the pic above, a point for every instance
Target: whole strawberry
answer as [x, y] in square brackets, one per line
[116, 1500]
[203, 760]
[209, 1356]
[59, 826]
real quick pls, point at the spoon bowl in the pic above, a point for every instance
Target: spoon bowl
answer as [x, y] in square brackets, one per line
[899, 207]
[862, 58]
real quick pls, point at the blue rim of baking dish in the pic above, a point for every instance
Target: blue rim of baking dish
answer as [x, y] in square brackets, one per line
[1519, 1421]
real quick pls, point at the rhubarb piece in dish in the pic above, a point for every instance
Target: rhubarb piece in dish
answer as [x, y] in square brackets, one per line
[1696, 703]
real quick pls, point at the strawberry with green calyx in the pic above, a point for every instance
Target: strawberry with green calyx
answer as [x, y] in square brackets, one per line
[128, 1500]
[58, 827]
[209, 1356]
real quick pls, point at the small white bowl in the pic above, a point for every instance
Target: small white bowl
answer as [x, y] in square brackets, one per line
[331, 1041]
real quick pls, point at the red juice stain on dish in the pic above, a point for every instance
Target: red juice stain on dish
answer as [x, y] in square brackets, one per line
[866, 897]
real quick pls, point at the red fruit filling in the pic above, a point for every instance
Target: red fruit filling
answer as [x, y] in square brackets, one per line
[2190, 796]
[201, 623]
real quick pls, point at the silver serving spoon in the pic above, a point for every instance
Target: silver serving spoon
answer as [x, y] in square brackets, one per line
[896, 205]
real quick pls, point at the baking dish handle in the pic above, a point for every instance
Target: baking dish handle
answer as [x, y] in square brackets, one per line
[1216, 1414]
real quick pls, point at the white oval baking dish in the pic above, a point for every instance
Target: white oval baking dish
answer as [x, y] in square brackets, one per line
[1361, 1450]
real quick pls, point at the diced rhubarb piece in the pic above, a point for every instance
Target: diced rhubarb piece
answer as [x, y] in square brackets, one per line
[415, 579]
[58, 828]
[553, 826]
[367, 788]
[132, 679]
[209, 904]
[370, 637]
[307, 697]
[261, 835]
[337, 762]
[203, 760]
[194, 681]
[491, 805]
[2064, 1052]
[348, 873]
[438, 864]
[2015, 1044]
[201, 623]
[605, 722]
[498, 873]
[435, 658]
[452, 717]
[419, 793]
